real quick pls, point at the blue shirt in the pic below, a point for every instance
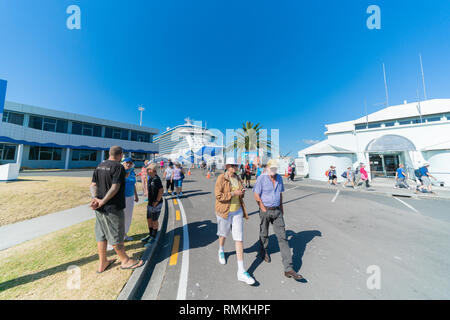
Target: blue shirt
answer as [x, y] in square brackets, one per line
[269, 193]
[423, 171]
[129, 184]
[400, 173]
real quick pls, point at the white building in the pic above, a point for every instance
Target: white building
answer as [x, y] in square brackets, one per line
[411, 133]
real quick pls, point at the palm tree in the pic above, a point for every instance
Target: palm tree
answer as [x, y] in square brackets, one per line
[248, 139]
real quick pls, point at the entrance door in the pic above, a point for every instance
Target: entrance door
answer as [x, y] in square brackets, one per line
[384, 165]
[391, 163]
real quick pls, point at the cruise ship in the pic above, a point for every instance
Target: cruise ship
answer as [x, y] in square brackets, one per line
[190, 143]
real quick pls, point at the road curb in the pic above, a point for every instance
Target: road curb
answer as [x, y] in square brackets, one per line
[134, 283]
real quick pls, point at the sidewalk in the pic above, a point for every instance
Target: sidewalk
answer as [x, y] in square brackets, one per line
[16, 233]
[381, 186]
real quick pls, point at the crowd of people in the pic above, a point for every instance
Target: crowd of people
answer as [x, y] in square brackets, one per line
[358, 176]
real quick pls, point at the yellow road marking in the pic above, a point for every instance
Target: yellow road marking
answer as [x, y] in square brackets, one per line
[175, 201]
[178, 214]
[174, 255]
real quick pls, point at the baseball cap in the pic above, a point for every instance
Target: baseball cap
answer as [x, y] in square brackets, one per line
[272, 163]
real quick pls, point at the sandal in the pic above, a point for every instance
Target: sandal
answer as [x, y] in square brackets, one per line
[111, 262]
[134, 265]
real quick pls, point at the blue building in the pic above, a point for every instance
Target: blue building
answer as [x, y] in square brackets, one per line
[49, 139]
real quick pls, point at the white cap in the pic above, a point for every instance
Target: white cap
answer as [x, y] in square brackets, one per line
[231, 161]
[426, 164]
[272, 163]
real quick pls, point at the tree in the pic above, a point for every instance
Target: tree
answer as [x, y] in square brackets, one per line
[249, 138]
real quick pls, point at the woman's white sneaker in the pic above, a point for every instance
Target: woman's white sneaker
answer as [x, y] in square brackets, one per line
[222, 257]
[245, 277]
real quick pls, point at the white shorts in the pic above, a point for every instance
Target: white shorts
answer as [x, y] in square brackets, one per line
[235, 222]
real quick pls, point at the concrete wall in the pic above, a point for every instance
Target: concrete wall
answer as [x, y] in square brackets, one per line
[320, 163]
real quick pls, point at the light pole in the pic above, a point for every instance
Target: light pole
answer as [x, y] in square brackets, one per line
[141, 109]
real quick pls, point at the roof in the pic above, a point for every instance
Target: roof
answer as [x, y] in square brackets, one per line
[408, 110]
[324, 148]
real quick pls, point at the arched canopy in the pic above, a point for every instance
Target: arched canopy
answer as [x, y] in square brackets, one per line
[390, 143]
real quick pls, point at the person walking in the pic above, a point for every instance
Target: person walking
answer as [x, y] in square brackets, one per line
[292, 175]
[364, 175]
[332, 177]
[357, 175]
[108, 193]
[161, 165]
[154, 206]
[177, 178]
[248, 174]
[268, 194]
[168, 177]
[131, 195]
[425, 176]
[230, 211]
[213, 168]
[143, 175]
[349, 176]
[401, 177]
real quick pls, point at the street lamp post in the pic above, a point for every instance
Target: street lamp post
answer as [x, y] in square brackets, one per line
[141, 109]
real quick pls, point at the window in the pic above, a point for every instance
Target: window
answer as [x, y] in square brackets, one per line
[389, 124]
[84, 155]
[374, 125]
[45, 153]
[433, 119]
[61, 126]
[140, 136]
[138, 156]
[403, 122]
[35, 122]
[49, 124]
[13, 117]
[86, 129]
[7, 151]
[116, 133]
[360, 126]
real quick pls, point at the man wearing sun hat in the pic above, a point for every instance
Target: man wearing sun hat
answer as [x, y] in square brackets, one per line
[268, 194]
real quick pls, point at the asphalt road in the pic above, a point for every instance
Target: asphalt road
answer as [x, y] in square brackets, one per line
[337, 241]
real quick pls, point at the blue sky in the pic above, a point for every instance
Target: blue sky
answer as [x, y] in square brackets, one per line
[292, 65]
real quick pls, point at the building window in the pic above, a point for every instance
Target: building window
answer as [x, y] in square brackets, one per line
[61, 126]
[360, 126]
[7, 151]
[389, 124]
[49, 124]
[140, 136]
[84, 155]
[433, 119]
[374, 125]
[138, 156]
[13, 117]
[35, 122]
[116, 133]
[86, 129]
[45, 153]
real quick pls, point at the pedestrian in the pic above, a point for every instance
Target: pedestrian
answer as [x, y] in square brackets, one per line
[213, 168]
[131, 195]
[364, 175]
[248, 174]
[161, 165]
[401, 177]
[230, 211]
[259, 171]
[425, 176]
[349, 176]
[177, 178]
[170, 163]
[143, 175]
[268, 194]
[357, 175]
[108, 193]
[332, 177]
[168, 177]
[292, 175]
[155, 200]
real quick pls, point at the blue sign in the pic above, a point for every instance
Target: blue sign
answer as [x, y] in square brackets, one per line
[2, 94]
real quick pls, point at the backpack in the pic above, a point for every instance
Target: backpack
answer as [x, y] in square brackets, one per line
[417, 173]
[326, 173]
[344, 175]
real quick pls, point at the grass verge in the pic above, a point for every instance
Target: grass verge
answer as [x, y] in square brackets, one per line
[36, 196]
[37, 269]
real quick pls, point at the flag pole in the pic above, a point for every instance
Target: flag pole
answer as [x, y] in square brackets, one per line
[385, 86]
[423, 77]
